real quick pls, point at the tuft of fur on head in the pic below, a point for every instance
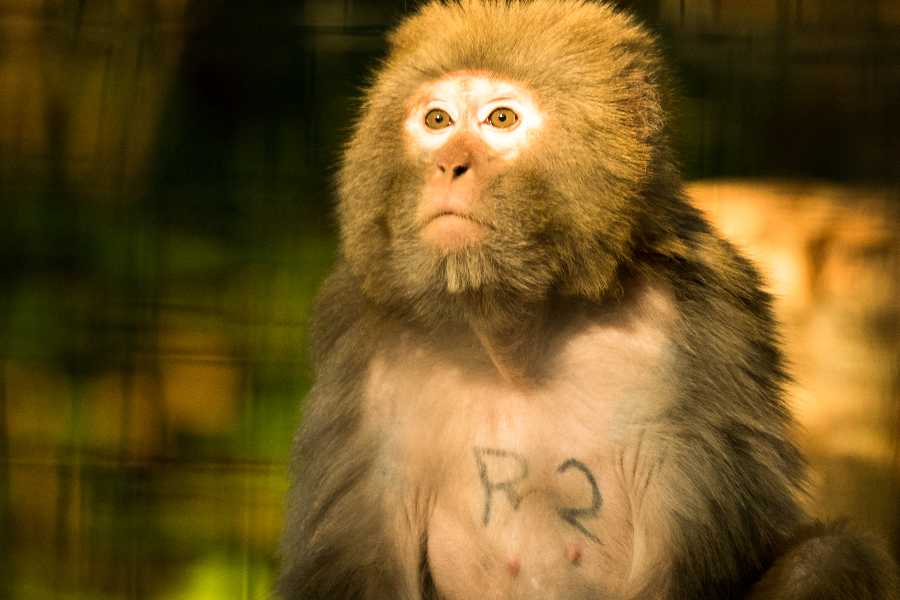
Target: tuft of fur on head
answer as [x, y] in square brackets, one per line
[567, 210]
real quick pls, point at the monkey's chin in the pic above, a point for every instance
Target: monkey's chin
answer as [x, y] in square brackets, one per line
[452, 232]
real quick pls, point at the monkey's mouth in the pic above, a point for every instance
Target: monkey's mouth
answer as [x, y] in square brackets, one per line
[453, 215]
[450, 230]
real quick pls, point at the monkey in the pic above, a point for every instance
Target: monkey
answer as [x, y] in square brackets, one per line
[539, 372]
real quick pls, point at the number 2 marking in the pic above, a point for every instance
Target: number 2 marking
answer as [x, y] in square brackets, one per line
[571, 515]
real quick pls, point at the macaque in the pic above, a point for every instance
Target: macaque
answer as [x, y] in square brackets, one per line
[540, 374]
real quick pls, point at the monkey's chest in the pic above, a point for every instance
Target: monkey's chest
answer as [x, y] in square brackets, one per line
[519, 494]
[521, 520]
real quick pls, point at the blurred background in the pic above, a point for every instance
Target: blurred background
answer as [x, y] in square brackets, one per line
[166, 173]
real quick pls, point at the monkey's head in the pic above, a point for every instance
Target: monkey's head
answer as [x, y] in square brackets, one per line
[505, 151]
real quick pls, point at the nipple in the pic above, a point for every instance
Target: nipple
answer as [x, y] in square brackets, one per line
[512, 566]
[573, 553]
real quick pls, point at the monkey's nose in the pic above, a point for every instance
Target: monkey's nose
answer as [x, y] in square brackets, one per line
[456, 171]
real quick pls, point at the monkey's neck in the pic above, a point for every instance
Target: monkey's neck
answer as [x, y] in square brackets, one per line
[511, 369]
[514, 342]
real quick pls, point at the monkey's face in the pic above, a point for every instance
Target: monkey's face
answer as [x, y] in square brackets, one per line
[464, 130]
[462, 218]
[500, 164]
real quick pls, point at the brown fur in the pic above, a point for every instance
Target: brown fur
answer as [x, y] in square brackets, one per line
[592, 240]
[605, 120]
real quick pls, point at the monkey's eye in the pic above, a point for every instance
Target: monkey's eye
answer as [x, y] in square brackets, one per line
[502, 118]
[438, 119]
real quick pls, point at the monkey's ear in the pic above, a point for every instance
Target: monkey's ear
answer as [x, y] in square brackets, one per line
[646, 114]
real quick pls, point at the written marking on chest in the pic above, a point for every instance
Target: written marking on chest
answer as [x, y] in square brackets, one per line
[515, 469]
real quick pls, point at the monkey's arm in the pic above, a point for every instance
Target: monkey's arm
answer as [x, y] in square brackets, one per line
[334, 545]
[735, 437]
[830, 561]
[734, 471]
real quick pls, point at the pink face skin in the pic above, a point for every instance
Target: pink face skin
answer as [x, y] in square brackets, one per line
[459, 149]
